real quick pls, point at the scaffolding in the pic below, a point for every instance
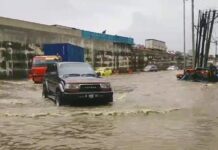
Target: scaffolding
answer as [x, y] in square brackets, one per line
[206, 21]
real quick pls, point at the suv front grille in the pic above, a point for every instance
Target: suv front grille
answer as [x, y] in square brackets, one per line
[90, 88]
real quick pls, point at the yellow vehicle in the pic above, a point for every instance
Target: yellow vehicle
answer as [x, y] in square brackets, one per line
[104, 71]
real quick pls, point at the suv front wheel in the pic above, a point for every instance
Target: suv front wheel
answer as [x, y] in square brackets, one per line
[58, 99]
[44, 91]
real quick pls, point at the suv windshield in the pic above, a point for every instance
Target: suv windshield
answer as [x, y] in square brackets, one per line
[75, 69]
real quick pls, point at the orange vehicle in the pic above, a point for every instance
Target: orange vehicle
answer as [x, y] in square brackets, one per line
[198, 74]
[39, 66]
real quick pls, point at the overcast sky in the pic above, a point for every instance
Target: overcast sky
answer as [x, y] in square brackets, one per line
[139, 19]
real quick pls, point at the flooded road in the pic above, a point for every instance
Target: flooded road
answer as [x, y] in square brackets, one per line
[150, 111]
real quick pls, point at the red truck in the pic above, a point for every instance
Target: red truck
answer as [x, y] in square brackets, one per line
[39, 66]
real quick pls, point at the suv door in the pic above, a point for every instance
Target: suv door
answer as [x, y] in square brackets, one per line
[52, 77]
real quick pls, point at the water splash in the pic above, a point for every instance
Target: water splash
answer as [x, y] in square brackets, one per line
[91, 113]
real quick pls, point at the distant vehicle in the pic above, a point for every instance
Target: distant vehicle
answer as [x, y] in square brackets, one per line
[104, 71]
[173, 68]
[39, 66]
[150, 68]
[199, 74]
[75, 82]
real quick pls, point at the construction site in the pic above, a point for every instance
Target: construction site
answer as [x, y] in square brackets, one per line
[203, 69]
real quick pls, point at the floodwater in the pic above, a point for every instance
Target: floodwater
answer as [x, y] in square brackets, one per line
[150, 111]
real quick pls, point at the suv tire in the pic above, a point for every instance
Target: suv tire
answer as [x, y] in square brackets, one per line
[44, 91]
[58, 99]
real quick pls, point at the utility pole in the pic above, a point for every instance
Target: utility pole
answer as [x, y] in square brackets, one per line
[216, 44]
[193, 35]
[184, 34]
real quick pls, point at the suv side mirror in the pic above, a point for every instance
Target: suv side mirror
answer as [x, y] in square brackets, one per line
[53, 73]
[52, 69]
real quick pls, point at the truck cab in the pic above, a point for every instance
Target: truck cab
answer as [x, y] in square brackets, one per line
[39, 66]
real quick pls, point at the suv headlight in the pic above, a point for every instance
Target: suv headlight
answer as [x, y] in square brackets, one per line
[71, 86]
[105, 85]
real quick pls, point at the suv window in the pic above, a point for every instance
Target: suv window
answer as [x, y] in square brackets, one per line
[52, 68]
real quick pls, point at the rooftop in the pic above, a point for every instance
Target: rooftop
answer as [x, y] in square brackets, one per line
[155, 40]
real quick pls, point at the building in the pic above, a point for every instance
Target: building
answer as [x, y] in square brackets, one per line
[108, 50]
[21, 40]
[142, 56]
[155, 44]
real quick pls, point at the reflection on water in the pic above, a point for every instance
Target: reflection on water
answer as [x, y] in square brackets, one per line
[150, 111]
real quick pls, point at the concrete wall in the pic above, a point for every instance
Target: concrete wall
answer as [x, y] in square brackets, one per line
[39, 27]
[24, 36]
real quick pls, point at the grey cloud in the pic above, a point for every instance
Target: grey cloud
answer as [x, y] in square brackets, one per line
[145, 27]
[139, 19]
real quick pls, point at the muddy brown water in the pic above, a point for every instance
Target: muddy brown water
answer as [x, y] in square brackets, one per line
[150, 111]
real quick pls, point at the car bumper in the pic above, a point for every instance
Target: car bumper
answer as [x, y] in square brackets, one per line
[87, 97]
